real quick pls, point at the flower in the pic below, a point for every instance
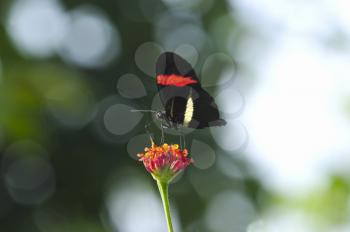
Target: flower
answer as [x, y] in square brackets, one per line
[165, 162]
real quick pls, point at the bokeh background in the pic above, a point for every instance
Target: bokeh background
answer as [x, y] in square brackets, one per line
[71, 71]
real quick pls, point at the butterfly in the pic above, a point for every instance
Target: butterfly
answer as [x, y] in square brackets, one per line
[185, 102]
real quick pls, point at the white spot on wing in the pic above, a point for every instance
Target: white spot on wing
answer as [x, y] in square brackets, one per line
[189, 111]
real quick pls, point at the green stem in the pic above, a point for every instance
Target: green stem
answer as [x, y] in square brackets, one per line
[163, 189]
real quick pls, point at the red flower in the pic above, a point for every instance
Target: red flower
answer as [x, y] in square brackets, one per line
[165, 162]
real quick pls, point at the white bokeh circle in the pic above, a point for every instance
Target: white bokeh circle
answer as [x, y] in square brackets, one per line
[134, 198]
[116, 121]
[137, 144]
[28, 174]
[130, 86]
[91, 41]
[218, 69]
[146, 56]
[231, 137]
[37, 27]
[230, 101]
[119, 119]
[229, 211]
[71, 108]
[188, 52]
[202, 154]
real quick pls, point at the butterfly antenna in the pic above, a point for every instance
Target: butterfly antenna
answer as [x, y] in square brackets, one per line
[152, 111]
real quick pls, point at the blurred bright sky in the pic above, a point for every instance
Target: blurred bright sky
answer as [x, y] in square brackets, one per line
[296, 115]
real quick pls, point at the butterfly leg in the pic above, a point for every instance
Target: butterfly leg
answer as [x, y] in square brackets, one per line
[162, 131]
[148, 132]
[182, 141]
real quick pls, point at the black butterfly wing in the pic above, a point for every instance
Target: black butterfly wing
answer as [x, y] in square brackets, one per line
[205, 113]
[170, 69]
[184, 100]
[169, 63]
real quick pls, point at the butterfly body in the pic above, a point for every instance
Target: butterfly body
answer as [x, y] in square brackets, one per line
[186, 103]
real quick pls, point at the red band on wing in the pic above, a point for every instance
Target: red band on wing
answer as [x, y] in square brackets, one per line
[175, 80]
